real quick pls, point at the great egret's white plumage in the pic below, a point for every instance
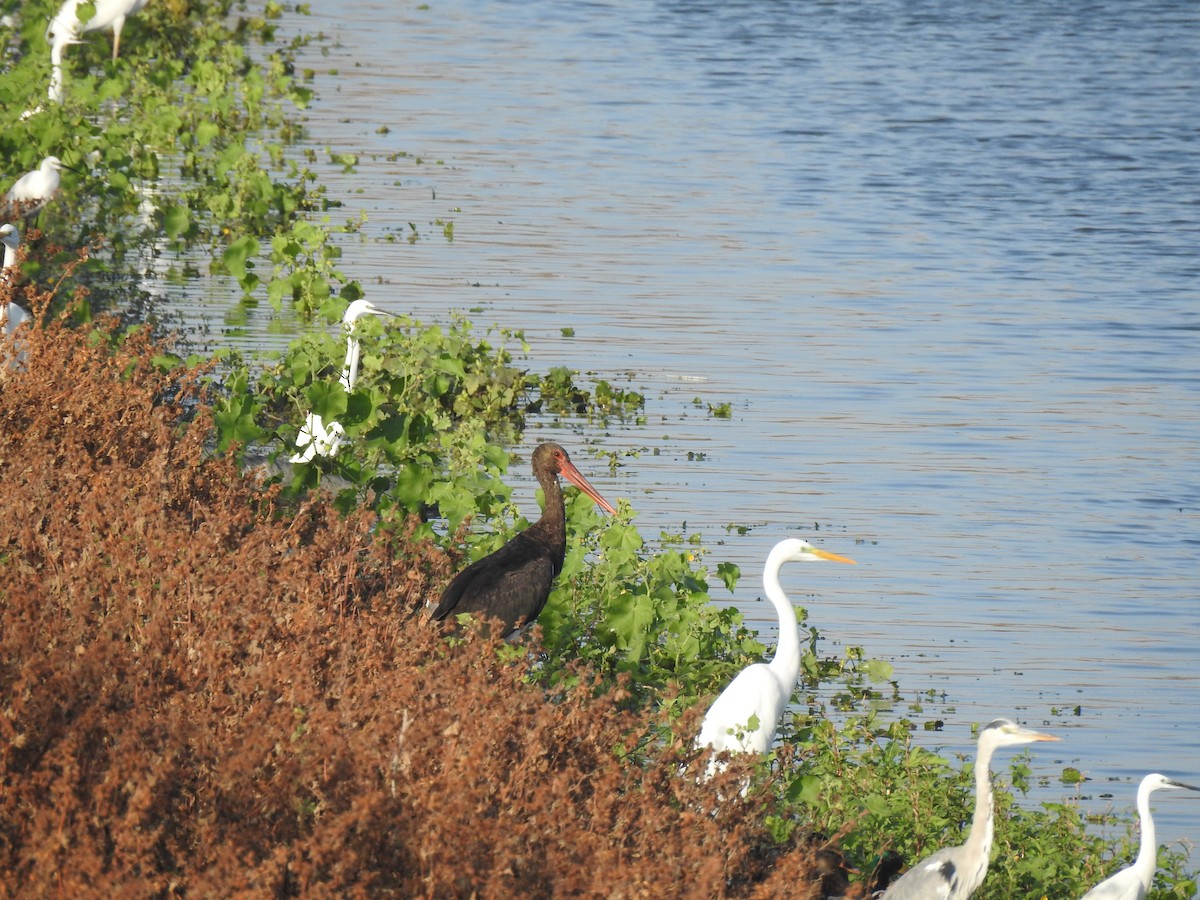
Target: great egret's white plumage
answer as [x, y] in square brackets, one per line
[12, 316]
[955, 873]
[1133, 882]
[744, 718]
[58, 46]
[109, 14]
[318, 438]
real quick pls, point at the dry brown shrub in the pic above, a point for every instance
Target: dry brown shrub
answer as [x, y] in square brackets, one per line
[204, 693]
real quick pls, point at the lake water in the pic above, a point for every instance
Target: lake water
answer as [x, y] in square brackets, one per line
[940, 259]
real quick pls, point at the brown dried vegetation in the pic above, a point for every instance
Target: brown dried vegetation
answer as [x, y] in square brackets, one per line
[204, 693]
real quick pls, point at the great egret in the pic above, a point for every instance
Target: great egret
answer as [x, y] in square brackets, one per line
[744, 718]
[57, 47]
[108, 14]
[513, 583]
[35, 189]
[11, 314]
[1133, 883]
[954, 873]
[315, 437]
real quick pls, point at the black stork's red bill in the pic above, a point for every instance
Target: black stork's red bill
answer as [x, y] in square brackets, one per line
[513, 583]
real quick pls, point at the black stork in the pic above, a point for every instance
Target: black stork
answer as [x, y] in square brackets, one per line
[833, 875]
[513, 583]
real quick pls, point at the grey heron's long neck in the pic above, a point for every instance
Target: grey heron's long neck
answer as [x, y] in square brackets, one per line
[980, 838]
[786, 661]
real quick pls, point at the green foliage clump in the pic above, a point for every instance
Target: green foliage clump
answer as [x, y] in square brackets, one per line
[623, 609]
[182, 137]
[427, 418]
[559, 394]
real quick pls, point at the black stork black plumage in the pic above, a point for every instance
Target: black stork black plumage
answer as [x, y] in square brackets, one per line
[887, 870]
[513, 583]
[833, 876]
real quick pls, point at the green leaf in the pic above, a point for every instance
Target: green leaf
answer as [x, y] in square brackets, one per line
[729, 573]
[877, 670]
[237, 254]
[630, 617]
[806, 789]
[877, 806]
[206, 130]
[328, 399]
[622, 539]
[234, 421]
[176, 220]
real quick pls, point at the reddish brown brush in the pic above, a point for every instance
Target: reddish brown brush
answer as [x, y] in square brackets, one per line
[204, 693]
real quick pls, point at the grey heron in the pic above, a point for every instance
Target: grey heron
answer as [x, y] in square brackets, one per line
[954, 873]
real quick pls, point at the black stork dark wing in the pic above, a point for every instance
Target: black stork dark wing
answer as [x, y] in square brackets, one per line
[511, 584]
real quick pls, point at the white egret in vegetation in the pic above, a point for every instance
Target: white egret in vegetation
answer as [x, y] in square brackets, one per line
[35, 189]
[1133, 882]
[11, 238]
[58, 46]
[108, 14]
[11, 315]
[955, 873]
[317, 438]
[744, 718]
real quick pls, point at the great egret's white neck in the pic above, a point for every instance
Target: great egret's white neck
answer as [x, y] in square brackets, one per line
[56, 71]
[354, 312]
[1147, 858]
[786, 661]
[353, 353]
